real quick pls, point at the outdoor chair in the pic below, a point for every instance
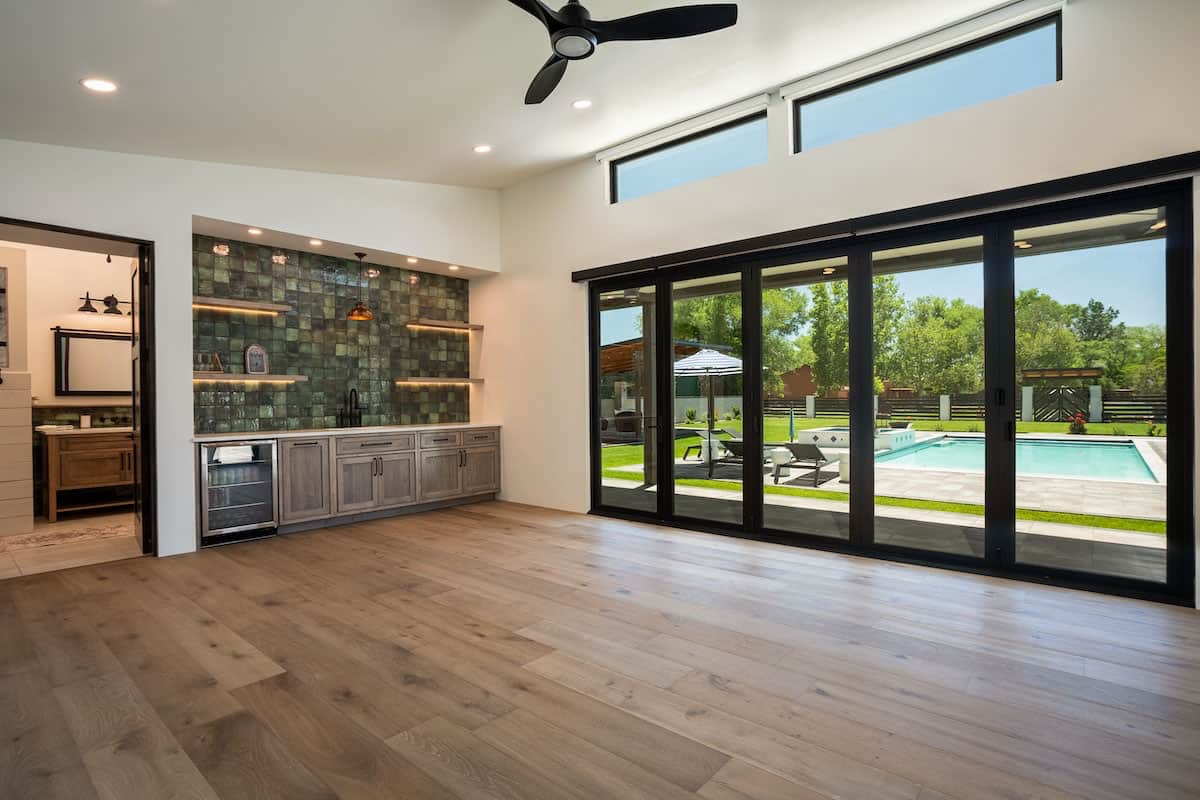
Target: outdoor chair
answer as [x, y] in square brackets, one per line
[804, 455]
[703, 434]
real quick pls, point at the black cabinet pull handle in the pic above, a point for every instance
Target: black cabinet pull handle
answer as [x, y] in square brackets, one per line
[305, 444]
[375, 444]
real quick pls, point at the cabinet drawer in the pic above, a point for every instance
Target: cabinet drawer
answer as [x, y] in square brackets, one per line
[374, 443]
[96, 441]
[437, 439]
[480, 437]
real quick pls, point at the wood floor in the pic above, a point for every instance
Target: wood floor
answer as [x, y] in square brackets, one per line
[502, 651]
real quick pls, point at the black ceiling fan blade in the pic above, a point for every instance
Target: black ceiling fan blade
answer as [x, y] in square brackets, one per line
[544, 14]
[546, 80]
[667, 23]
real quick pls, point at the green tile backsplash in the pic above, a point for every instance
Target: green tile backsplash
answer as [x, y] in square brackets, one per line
[317, 340]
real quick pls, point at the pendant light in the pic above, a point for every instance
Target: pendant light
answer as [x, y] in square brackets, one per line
[360, 313]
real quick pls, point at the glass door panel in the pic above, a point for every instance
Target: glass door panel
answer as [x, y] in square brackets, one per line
[627, 423]
[709, 451]
[806, 398]
[1091, 355]
[929, 447]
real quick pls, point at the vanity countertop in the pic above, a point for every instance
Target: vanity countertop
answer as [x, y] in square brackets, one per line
[85, 431]
[369, 429]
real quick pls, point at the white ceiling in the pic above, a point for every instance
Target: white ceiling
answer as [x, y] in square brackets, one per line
[397, 88]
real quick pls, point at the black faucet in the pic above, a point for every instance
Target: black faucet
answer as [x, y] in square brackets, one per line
[350, 415]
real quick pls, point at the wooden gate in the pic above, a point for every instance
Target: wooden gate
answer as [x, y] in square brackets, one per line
[1059, 403]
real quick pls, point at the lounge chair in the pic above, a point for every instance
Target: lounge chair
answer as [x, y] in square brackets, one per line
[803, 455]
[703, 434]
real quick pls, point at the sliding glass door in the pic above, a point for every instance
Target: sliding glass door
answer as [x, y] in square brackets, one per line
[1092, 355]
[806, 397]
[990, 393]
[626, 398]
[709, 449]
[930, 447]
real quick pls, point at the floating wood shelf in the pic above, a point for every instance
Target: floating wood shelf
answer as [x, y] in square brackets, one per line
[444, 324]
[241, 377]
[238, 306]
[418, 381]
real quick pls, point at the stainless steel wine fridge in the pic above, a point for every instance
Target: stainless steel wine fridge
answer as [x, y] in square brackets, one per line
[239, 495]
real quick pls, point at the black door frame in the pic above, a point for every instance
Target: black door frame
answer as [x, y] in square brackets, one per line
[145, 482]
[996, 227]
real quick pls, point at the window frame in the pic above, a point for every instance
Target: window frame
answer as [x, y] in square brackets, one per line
[613, 164]
[976, 44]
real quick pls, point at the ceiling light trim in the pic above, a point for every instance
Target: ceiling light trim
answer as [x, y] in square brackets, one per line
[1000, 17]
[711, 119]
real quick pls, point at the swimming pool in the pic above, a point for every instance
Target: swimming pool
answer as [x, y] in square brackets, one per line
[1113, 461]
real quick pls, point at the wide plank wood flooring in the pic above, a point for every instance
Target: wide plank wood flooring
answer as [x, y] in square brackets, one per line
[513, 653]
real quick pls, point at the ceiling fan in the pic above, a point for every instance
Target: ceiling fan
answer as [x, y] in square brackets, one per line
[574, 35]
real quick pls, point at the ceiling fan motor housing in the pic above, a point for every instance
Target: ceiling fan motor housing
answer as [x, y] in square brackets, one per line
[574, 41]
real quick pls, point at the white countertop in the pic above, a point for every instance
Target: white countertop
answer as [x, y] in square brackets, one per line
[85, 431]
[370, 429]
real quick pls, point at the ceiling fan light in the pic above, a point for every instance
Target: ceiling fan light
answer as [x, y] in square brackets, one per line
[574, 43]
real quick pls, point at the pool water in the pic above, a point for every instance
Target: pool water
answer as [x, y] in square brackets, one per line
[1114, 461]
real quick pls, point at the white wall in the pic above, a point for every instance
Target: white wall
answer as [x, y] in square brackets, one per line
[55, 280]
[155, 199]
[1128, 95]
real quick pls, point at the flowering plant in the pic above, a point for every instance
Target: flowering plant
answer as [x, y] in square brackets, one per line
[1077, 424]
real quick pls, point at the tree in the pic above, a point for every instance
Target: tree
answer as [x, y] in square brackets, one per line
[940, 347]
[1094, 322]
[829, 335]
[1045, 338]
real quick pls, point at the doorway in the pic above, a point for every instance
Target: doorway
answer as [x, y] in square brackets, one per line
[1008, 393]
[76, 404]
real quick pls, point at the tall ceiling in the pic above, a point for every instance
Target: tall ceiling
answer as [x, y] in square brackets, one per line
[397, 88]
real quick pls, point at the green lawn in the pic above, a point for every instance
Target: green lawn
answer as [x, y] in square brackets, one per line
[1066, 518]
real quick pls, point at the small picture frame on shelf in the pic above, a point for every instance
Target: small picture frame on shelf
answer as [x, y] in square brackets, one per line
[256, 360]
[214, 363]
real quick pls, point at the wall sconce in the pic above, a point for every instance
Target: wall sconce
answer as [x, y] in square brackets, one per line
[111, 304]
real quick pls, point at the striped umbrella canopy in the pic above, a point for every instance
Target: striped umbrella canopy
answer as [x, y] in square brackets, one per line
[708, 362]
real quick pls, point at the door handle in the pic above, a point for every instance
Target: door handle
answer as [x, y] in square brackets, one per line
[462, 458]
[1000, 397]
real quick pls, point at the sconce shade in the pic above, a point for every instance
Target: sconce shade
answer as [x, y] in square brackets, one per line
[87, 306]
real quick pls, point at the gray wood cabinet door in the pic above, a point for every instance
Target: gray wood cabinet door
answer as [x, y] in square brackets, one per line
[440, 475]
[481, 470]
[397, 479]
[304, 480]
[357, 489]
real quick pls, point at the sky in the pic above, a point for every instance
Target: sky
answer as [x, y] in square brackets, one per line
[1129, 277]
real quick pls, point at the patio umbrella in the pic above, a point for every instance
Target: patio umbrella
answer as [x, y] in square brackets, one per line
[708, 364]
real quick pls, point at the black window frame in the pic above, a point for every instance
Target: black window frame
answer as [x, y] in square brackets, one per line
[997, 225]
[797, 103]
[613, 189]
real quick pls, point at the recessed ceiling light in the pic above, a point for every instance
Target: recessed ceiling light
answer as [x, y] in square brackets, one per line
[254, 231]
[221, 249]
[581, 104]
[1023, 245]
[100, 85]
[828, 271]
[412, 260]
[483, 149]
[315, 242]
[454, 268]
[1158, 226]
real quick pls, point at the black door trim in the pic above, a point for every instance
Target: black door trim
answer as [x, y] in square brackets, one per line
[146, 491]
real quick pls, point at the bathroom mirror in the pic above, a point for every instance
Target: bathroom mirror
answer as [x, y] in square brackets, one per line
[92, 363]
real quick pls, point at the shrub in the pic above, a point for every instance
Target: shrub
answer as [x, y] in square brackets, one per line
[735, 412]
[1077, 425]
[1152, 429]
[689, 414]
